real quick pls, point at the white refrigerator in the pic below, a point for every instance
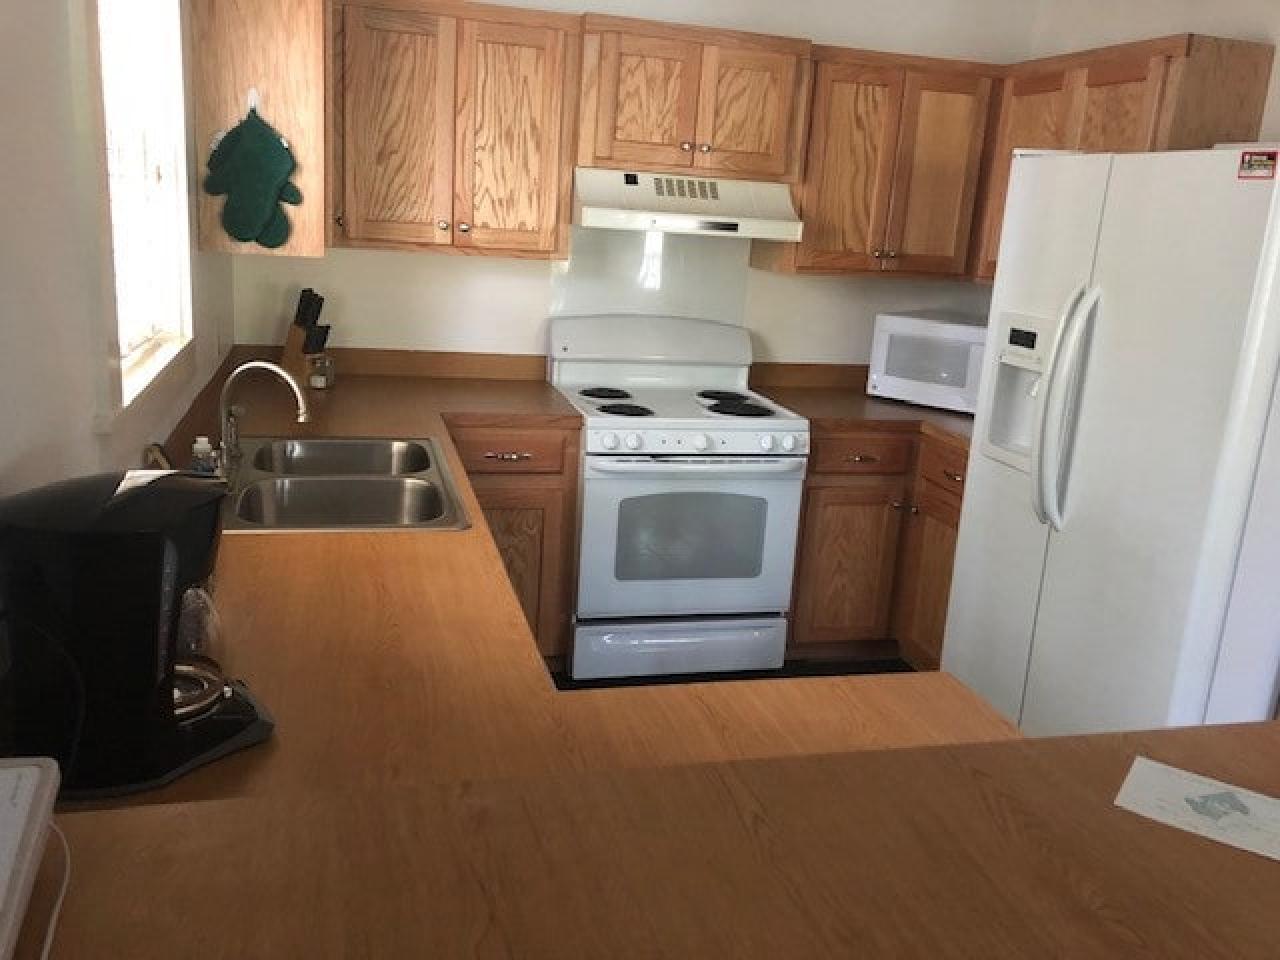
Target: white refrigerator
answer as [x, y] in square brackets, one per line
[1118, 562]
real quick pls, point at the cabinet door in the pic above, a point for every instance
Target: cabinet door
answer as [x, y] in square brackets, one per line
[944, 117]
[1118, 105]
[745, 110]
[924, 583]
[398, 95]
[510, 98]
[648, 106]
[1035, 111]
[851, 152]
[848, 551]
[528, 517]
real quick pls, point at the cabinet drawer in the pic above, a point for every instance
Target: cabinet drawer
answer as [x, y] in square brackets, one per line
[944, 465]
[490, 450]
[861, 453]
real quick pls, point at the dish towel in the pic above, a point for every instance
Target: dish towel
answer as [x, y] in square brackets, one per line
[251, 167]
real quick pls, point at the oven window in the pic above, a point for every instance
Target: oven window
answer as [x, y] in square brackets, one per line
[928, 360]
[690, 536]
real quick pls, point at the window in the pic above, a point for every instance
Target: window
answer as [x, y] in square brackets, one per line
[142, 96]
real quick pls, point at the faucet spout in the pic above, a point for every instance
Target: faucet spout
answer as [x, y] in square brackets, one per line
[227, 415]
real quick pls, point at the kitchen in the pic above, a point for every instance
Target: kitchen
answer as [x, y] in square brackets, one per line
[443, 708]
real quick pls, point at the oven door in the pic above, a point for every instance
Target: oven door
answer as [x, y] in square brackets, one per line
[670, 536]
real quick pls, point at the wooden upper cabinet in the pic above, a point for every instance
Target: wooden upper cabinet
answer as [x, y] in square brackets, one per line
[648, 106]
[509, 97]
[452, 127]
[895, 151]
[398, 97]
[848, 184]
[944, 118]
[277, 48]
[745, 111]
[1175, 93]
[659, 96]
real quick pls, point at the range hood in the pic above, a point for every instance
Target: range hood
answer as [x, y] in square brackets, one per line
[675, 203]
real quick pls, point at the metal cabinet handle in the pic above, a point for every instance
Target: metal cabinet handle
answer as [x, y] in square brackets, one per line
[878, 254]
[442, 224]
[862, 458]
[705, 148]
[464, 227]
[339, 221]
[895, 504]
[914, 510]
[507, 455]
[686, 146]
[953, 477]
[891, 254]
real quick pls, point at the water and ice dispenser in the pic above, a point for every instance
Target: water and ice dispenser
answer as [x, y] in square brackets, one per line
[1021, 356]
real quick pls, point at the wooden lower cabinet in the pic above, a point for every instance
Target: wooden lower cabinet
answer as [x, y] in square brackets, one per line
[530, 520]
[847, 558]
[526, 480]
[924, 577]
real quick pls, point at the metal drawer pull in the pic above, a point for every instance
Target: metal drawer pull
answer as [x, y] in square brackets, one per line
[686, 146]
[953, 477]
[915, 510]
[896, 504]
[507, 455]
[862, 458]
[705, 148]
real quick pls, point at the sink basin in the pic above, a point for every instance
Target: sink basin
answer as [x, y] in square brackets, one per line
[335, 457]
[308, 502]
[337, 483]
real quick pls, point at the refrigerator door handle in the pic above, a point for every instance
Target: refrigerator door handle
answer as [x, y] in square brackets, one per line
[1038, 498]
[1058, 407]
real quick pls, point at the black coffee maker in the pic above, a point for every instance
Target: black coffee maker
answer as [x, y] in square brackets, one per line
[93, 574]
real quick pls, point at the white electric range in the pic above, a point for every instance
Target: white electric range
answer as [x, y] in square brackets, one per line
[691, 490]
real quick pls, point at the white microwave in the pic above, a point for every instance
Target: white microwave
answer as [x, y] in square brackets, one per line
[930, 357]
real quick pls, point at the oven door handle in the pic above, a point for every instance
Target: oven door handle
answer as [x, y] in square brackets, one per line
[703, 468]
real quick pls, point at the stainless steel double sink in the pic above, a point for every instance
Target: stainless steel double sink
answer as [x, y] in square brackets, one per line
[341, 484]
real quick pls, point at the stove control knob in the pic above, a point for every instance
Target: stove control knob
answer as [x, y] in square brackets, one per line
[634, 441]
[609, 441]
[766, 442]
[701, 441]
[789, 442]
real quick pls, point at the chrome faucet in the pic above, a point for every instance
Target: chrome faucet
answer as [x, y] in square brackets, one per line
[227, 414]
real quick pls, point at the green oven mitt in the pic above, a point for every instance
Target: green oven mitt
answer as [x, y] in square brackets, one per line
[251, 167]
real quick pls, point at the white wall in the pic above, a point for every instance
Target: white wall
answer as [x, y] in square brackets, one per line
[55, 273]
[442, 302]
[1060, 27]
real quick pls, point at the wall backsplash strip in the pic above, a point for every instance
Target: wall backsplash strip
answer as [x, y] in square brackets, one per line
[428, 301]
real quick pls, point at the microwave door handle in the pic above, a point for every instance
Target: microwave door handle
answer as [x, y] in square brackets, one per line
[622, 466]
[1047, 386]
[1058, 409]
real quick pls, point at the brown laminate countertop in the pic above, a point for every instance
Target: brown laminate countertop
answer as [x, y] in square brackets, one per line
[430, 793]
[834, 409]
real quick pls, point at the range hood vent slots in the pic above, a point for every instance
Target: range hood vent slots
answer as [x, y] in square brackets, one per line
[619, 200]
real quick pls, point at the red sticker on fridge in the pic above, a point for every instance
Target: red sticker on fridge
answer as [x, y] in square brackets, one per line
[1258, 165]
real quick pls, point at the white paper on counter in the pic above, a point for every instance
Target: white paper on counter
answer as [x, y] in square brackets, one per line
[1229, 814]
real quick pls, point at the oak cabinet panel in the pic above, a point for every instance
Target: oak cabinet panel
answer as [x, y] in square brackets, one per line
[745, 111]
[530, 526]
[1175, 93]
[661, 97]
[648, 99]
[848, 184]
[398, 116]
[944, 118]
[923, 589]
[894, 156]
[508, 129]
[450, 128]
[847, 556]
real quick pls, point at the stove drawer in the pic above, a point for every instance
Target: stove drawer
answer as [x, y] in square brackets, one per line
[860, 453]
[495, 450]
